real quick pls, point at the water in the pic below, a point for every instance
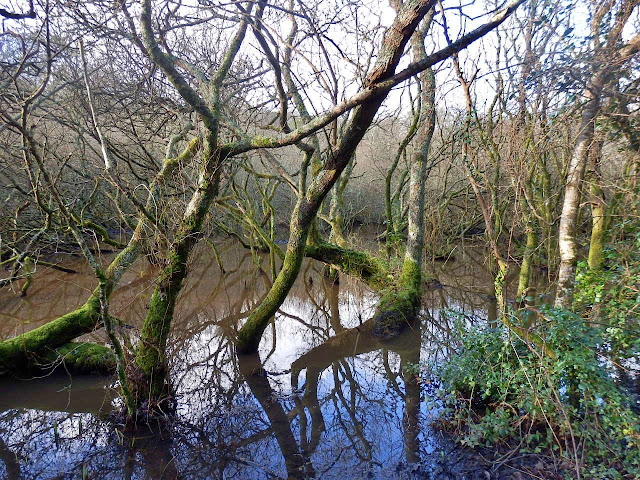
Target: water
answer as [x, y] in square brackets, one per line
[322, 399]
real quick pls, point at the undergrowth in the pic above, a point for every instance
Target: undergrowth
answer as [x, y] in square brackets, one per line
[497, 390]
[501, 391]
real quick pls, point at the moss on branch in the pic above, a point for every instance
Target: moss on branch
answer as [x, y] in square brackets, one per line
[100, 230]
[368, 268]
[400, 304]
[19, 351]
[83, 357]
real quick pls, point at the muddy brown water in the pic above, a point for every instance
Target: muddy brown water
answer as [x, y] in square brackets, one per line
[321, 400]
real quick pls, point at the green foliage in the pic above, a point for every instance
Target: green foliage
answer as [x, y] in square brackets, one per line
[613, 294]
[498, 389]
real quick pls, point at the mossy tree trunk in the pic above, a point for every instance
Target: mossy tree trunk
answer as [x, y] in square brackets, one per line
[391, 198]
[524, 277]
[150, 376]
[598, 212]
[399, 307]
[16, 353]
[336, 207]
[412, 264]
[351, 262]
[151, 380]
[306, 209]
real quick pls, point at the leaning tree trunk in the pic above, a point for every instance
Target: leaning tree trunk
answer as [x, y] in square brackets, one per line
[307, 206]
[150, 381]
[18, 352]
[398, 308]
[149, 378]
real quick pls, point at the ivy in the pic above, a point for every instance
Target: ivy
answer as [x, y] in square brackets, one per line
[499, 390]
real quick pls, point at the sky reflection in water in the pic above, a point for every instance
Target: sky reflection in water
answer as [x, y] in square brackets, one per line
[322, 399]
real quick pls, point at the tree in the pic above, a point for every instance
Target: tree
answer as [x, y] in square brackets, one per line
[201, 89]
[609, 20]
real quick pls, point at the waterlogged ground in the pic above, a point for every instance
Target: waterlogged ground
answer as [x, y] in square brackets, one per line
[321, 400]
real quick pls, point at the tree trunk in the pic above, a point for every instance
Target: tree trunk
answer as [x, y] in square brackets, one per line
[307, 206]
[571, 204]
[151, 381]
[598, 214]
[575, 174]
[524, 278]
[397, 309]
[16, 353]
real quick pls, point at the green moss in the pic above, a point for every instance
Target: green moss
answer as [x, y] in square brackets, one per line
[396, 310]
[261, 142]
[368, 268]
[17, 352]
[399, 305]
[525, 269]
[150, 358]
[411, 277]
[84, 358]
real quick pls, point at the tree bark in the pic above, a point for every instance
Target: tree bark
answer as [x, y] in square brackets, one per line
[398, 308]
[577, 165]
[307, 206]
[151, 382]
[571, 203]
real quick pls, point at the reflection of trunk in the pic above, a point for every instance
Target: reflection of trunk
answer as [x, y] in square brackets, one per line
[358, 341]
[311, 403]
[332, 294]
[154, 454]
[298, 467]
[10, 459]
[350, 343]
[571, 203]
[350, 407]
[409, 360]
[307, 206]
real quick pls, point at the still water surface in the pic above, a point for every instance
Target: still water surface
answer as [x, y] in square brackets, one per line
[321, 400]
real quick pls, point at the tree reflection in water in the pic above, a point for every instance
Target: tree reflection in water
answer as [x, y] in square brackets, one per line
[327, 400]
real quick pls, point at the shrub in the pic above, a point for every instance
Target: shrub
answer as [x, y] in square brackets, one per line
[500, 390]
